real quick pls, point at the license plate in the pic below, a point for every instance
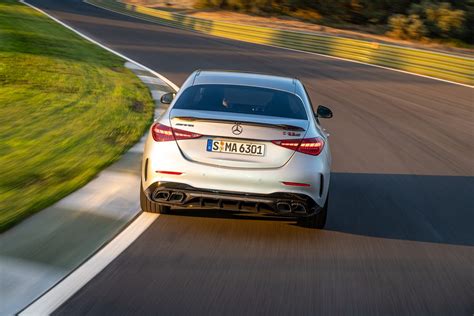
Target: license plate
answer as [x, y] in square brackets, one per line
[239, 148]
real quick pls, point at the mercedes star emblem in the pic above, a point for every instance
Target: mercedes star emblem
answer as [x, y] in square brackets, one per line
[237, 129]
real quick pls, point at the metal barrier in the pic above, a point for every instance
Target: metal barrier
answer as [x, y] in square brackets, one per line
[439, 65]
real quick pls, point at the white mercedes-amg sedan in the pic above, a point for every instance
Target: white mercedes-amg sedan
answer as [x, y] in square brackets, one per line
[239, 141]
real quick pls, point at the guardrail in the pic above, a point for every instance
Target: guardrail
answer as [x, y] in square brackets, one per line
[444, 66]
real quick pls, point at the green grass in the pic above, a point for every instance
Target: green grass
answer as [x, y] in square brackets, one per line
[67, 110]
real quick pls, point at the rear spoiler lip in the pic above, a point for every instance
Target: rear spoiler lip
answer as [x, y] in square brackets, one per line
[282, 126]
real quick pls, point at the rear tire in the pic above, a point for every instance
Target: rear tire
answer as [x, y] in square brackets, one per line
[317, 220]
[150, 206]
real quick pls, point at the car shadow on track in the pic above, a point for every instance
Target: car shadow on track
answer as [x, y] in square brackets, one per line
[435, 209]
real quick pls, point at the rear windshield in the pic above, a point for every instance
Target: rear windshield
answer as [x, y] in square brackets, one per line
[241, 99]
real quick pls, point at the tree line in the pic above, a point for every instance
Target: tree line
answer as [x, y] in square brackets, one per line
[444, 20]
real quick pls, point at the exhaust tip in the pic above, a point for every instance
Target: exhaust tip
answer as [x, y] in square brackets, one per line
[176, 197]
[283, 207]
[298, 208]
[161, 195]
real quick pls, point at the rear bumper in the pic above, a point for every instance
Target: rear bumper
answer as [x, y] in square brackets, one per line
[186, 196]
[301, 168]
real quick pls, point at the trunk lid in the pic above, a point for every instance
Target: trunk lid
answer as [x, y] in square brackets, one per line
[236, 131]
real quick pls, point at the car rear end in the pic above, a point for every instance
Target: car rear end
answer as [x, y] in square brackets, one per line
[236, 146]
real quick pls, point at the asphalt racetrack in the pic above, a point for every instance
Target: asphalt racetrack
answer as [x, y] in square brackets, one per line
[400, 233]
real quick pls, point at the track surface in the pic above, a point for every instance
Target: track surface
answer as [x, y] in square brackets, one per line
[399, 238]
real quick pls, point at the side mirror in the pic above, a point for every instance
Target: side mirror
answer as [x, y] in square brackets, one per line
[167, 98]
[323, 112]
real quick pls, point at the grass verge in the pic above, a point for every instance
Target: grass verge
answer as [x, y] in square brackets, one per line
[67, 110]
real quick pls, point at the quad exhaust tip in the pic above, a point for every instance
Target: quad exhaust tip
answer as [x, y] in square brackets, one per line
[161, 195]
[298, 208]
[284, 207]
[169, 196]
[176, 197]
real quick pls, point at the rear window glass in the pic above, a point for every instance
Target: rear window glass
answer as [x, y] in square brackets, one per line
[241, 99]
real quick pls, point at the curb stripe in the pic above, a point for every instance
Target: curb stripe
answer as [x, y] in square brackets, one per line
[66, 288]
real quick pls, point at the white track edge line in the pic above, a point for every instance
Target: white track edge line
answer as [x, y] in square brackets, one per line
[169, 82]
[295, 50]
[66, 288]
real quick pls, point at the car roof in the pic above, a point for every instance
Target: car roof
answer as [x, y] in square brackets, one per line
[244, 78]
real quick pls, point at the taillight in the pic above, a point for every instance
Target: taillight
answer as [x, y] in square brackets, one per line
[290, 143]
[310, 146]
[180, 134]
[163, 133]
